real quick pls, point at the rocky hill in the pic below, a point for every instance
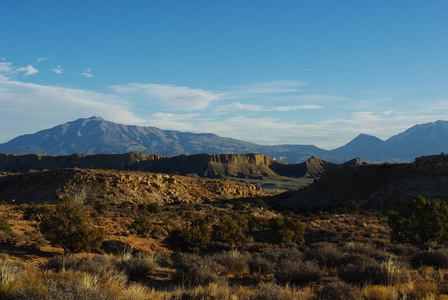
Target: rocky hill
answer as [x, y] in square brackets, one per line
[374, 186]
[87, 186]
[202, 165]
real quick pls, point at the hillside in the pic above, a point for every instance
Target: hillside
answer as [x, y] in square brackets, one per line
[255, 168]
[374, 186]
[113, 186]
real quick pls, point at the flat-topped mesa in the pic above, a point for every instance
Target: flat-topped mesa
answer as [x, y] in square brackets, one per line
[23, 163]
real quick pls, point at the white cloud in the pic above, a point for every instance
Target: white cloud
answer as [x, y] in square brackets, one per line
[273, 87]
[41, 59]
[328, 134]
[58, 70]
[237, 106]
[28, 70]
[86, 73]
[6, 67]
[33, 107]
[177, 97]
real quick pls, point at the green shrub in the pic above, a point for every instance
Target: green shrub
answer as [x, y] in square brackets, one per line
[419, 222]
[258, 203]
[142, 223]
[338, 291]
[239, 205]
[433, 258]
[287, 230]
[385, 273]
[230, 229]
[67, 226]
[100, 207]
[195, 235]
[4, 225]
[297, 273]
[192, 270]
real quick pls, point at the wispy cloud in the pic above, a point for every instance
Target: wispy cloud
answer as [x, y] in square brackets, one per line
[30, 104]
[41, 59]
[237, 106]
[272, 87]
[86, 73]
[178, 97]
[28, 70]
[7, 70]
[58, 70]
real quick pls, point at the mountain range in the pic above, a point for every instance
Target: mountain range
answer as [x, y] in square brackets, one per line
[97, 136]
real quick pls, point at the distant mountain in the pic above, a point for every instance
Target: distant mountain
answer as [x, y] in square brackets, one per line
[98, 136]
[419, 140]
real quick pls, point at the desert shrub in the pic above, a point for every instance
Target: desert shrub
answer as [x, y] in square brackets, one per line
[419, 222]
[258, 203]
[67, 226]
[338, 290]
[380, 292]
[235, 262]
[386, 273]
[325, 253]
[61, 263]
[292, 254]
[33, 211]
[153, 208]
[142, 223]
[230, 229]
[140, 266]
[433, 258]
[367, 250]
[100, 207]
[195, 235]
[238, 205]
[401, 250]
[273, 291]
[287, 230]
[192, 270]
[355, 258]
[291, 272]
[260, 265]
[4, 225]
[350, 207]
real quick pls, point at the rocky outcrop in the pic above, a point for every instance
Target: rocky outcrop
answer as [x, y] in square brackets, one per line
[87, 186]
[202, 165]
[374, 186]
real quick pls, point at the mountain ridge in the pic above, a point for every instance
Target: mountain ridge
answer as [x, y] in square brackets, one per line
[96, 135]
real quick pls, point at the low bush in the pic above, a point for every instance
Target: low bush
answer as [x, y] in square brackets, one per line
[137, 267]
[4, 225]
[433, 258]
[325, 254]
[192, 270]
[338, 291]
[386, 273]
[260, 265]
[287, 230]
[230, 229]
[235, 262]
[297, 273]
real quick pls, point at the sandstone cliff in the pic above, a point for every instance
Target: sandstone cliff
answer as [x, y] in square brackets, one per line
[117, 186]
[374, 186]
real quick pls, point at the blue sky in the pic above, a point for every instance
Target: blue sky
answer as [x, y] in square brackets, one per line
[270, 72]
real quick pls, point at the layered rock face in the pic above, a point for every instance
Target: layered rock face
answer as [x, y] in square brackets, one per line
[202, 165]
[374, 186]
[87, 186]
